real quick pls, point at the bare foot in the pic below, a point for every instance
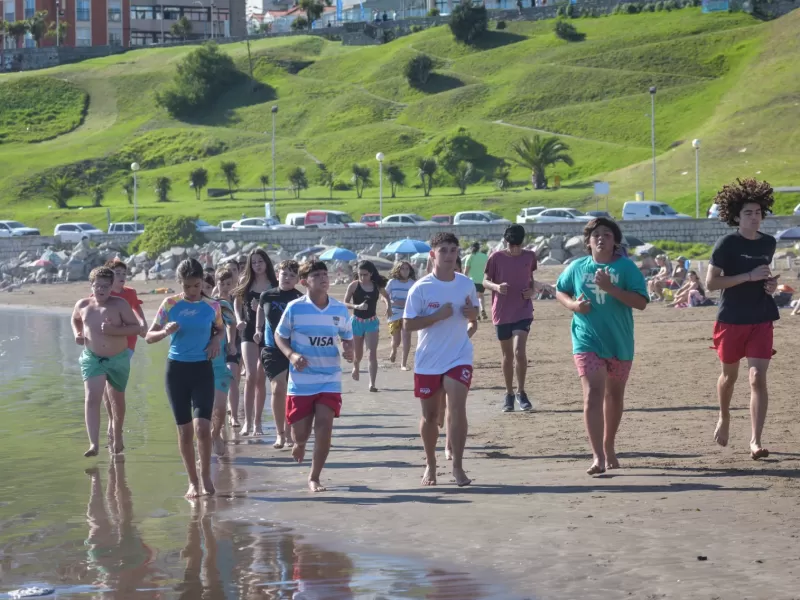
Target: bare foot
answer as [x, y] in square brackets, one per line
[279, 442]
[721, 432]
[208, 487]
[393, 355]
[448, 453]
[461, 477]
[117, 447]
[596, 468]
[234, 423]
[218, 445]
[404, 368]
[245, 428]
[257, 431]
[757, 452]
[110, 439]
[299, 452]
[92, 451]
[193, 492]
[612, 462]
[315, 486]
[355, 373]
[429, 477]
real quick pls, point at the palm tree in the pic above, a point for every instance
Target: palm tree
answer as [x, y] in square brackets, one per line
[231, 173]
[97, 196]
[17, 30]
[463, 175]
[501, 178]
[361, 178]
[37, 26]
[326, 178]
[163, 188]
[198, 179]
[427, 169]
[396, 178]
[298, 179]
[127, 188]
[537, 153]
[59, 189]
[264, 181]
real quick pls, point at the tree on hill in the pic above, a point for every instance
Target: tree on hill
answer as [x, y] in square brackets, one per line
[396, 178]
[59, 190]
[502, 177]
[17, 30]
[537, 153]
[418, 69]
[300, 23]
[453, 149]
[182, 28]
[566, 31]
[468, 22]
[426, 168]
[98, 195]
[264, 181]
[298, 180]
[198, 179]
[231, 173]
[163, 188]
[313, 9]
[37, 26]
[326, 178]
[60, 34]
[463, 175]
[127, 188]
[361, 178]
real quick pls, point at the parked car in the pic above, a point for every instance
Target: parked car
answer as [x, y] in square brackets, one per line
[442, 219]
[713, 211]
[16, 229]
[204, 227]
[479, 217]
[525, 214]
[296, 219]
[259, 224]
[796, 210]
[226, 225]
[596, 214]
[406, 219]
[560, 215]
[370, 219]
[650, 210]
[73, 233]
[125, 228]
[329, 219]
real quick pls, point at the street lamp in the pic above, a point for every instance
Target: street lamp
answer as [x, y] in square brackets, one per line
[653, 134]
[161, 4]
[696, 146]
[379, 158]
[274, 113]
[205, 24]
[211, 16]
[134, 168]
[58, 32]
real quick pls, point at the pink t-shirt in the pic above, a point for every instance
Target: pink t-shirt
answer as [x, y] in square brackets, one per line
[517, 272]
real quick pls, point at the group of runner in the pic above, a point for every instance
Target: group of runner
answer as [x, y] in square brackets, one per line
[297, 340]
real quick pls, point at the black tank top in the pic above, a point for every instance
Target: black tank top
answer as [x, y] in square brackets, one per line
[250, 315]
[371, 298]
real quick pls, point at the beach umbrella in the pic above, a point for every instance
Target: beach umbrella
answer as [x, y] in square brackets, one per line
[420, 256]
[44, 263]
[338, 254]
[309, 251]
[632, 241]
[788, 235]
[406, 246]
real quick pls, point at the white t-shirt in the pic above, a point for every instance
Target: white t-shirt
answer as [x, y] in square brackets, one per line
[445, 344]
[398, 293]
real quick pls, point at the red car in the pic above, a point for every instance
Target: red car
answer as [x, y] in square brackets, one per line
[442, 219]
[370, 219]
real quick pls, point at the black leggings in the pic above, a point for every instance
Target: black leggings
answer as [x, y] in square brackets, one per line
[190, 390]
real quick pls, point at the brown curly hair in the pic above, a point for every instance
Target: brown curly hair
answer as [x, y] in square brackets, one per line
[395, 272]
[732, 198]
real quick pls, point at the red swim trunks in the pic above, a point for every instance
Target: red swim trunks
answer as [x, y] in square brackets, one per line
[588, 362]
[426, 386]
[300, 407]
[735, 342]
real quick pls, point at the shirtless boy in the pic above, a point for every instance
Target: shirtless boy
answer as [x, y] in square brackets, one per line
[101, 324]
[438, 307]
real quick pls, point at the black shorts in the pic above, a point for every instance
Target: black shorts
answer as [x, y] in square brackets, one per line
[190, 390]
[479, 288]
[506, 330]
[274, 362]
[234, 358]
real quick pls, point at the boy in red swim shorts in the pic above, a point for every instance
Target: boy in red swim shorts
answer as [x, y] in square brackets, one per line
[439, 306]
[740, 268]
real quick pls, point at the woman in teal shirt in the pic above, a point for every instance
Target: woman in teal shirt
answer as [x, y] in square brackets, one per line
[601, 290]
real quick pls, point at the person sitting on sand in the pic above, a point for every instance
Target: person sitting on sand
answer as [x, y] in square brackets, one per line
[659, 282]
[679, 274]
[690, 293]
[102, 324]
[196, 329]
[601, 290]
[307, 335]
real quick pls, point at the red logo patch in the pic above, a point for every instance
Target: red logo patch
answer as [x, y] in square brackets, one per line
[433, 305]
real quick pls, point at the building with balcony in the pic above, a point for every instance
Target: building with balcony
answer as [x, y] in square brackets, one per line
[152, 20]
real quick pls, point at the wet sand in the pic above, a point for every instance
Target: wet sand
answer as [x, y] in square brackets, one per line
[532, 516]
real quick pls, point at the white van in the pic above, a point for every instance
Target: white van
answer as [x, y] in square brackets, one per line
[329, 219]
[296, 219]
[632, 211]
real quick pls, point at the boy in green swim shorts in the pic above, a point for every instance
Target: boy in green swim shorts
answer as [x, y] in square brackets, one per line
[101, 324]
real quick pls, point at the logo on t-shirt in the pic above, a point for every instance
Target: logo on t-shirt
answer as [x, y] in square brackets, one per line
[433, 305]
[321, 341]
[599, 294]
[336, 321]
[189, 312]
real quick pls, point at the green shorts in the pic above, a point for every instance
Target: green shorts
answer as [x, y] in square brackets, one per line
[116, 369]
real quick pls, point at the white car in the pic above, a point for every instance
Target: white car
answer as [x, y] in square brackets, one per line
[796, 210]
[259, 224]
[128, 228]
[525, 214]
[405, 219]
[204, 227]
[713, 211]
[75, 232]
[226, 225]
[479, 217]
[561, 215]
[16, 229]
[642, 209]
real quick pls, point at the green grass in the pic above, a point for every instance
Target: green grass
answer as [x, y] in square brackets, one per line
[726, 78]
[688, 250]
[39, 108]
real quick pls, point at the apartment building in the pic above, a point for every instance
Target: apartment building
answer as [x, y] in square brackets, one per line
[152, 20]
[90, 22]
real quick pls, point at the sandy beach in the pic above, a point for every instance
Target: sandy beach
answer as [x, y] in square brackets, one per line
[683, 518]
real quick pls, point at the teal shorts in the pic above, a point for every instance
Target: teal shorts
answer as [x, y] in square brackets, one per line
[116, 369]
[361, 327]
[222, 376]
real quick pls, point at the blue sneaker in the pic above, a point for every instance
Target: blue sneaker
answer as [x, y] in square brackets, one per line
[508, 403]
[524, 403]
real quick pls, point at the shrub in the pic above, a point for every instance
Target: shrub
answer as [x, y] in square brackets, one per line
[434, 12]
[202, 77]
[500, 25]
[468, 22]
[417, 28]
[566, 31]
[418, 70]
[299, 24]
[670, 5]
[650, 7]
[165, 232]
[163, 188]
[660, 5]
[342, 186]
[631, 8]
[562, 11]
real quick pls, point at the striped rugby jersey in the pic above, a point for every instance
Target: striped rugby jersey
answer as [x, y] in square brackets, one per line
[314, 333]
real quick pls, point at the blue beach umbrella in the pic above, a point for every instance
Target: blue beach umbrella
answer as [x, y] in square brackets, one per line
[789, 235]
[338, 254]
[406, 246]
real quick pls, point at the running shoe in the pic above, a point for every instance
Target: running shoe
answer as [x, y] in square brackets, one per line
[524, 403]
[508, 403]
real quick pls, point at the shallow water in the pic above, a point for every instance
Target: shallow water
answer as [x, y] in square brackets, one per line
[121, 528]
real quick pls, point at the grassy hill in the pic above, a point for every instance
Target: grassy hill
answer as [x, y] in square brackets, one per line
[728, 79]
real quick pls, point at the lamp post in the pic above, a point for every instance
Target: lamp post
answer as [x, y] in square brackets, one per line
[205, 24]
[134, 168]
[653, 134]
[696, 146]
[161, 4]
[274, 113]
[58, 31]
[211, 16]
[379, 157]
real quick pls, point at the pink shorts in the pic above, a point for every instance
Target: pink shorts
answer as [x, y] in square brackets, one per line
[588, 362]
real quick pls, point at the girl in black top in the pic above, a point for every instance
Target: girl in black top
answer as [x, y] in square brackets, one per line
[259, 276]
[362, 297]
